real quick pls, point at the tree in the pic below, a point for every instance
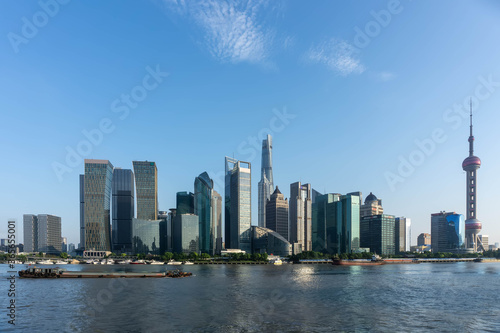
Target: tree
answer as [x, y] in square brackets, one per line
[64, 255]
[124, 254]
[193, 255]
[205, 256]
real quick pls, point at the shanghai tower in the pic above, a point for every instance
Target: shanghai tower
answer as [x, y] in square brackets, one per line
[266, 185]
[470, 165]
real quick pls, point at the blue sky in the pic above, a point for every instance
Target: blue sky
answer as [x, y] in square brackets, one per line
[345, 88]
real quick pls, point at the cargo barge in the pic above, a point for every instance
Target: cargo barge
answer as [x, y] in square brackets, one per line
[55, 273]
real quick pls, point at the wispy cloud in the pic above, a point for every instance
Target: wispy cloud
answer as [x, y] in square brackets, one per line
[385, 76]
[338, 55]
[232, 30]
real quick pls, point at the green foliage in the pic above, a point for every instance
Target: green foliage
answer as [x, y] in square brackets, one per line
[205, 256]
[124, 254]
[63, 255]
[167, 256]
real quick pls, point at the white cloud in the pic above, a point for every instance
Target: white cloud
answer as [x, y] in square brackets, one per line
[231, 29]
[338, 55]
[385, 76]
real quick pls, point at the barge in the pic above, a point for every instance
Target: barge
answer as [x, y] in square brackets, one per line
[55, 273]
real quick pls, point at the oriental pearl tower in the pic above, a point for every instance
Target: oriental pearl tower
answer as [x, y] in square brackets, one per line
[470, 165]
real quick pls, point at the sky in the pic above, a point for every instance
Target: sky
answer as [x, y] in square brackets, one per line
[367, 96]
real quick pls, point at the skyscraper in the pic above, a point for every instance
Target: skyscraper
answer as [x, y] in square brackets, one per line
[185, 203]
[97, 203]
[186, 233]
[146, 183]
[82, 211]
[402, 234]
[377, 233]
[277, 213]
[206, 201]
[123, 210]
[424, 239]
[30, 229]
[348, 222]
[49, 234]
[300, 213]
[472, 225]
[324, 223]
[447, 232]
[237, 204]
[266, 185]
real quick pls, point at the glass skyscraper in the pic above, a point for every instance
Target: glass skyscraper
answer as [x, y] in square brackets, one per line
[123, 210]
[186, 234]
[97, 198]
[185, 203]
[447, 232]
[82, 212]
[402, 234]
[377, 233]
[325, 233]
[300, 212]
[237, 204]
[146, 236]
[30, 229]
[266, 185]
[146, 183]
[42, 233]
[203, 191]
[277, 213]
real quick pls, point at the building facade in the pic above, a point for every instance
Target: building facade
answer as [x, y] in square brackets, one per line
[402, 234]
[300, 217]
[424, 239]
[237, 204]
[186, 234]
[268, 241]
[82, 211]
[123, 210]
[146, 236]
[266, 185]
[97, 204]
[447, 232]
[49, 234]
[377, 233]
[325, 233]
[185, 203]
[277, 213]
[348, 222]
[483, 239]
[372, 206]
[30, 232]
[207, 205]
[146, 184]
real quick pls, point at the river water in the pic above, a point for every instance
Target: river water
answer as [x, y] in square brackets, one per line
[458, 297]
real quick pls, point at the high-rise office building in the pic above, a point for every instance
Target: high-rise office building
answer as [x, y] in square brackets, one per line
[447, 232]
[123, 210]
[372, 206]
[484, 241]
[424, 239]
[300, 215]
[49, 234]
[30, 229]
[402, 234]
[471, 164]
[185, 203]
[64, 244]
[324, 223]
[237, 204]
[82, 211]
[277, 213]
[348, 223]
[146, 236]
[186, 237]
[97, 204]
[266, 185]
[207, 205]
[146, 184]
[377, 233]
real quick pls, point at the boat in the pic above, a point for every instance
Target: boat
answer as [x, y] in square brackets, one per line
[61, 262]
[110, 262]
[277, 262]
[17, 262]
[188, 263]
[173, 262]
[45, 262]
[138, 262]
[375, 260]
[124, 262]
[154, 262]
[29, 263]
[37, 272]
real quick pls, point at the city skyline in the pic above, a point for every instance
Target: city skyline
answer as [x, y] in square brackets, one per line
[391, 114]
